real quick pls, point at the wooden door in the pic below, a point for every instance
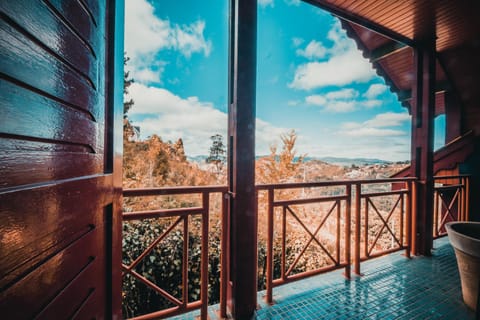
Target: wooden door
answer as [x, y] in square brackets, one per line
[58, 209]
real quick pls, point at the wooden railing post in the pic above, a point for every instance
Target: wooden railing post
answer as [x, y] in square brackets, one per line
[408, 222]
[185, 263]
[467, 198]
[284, 242]
[204, 271]
[358, 191]
[269, 279]
[365, 229]
[224, 256]
[348, 231]
[437, 210]
[413, 229]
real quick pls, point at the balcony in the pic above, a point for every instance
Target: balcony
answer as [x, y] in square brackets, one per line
[328, 270]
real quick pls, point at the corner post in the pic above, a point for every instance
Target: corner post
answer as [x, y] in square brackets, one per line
[423, 113]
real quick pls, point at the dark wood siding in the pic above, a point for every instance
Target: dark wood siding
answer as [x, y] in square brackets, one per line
[55, 194]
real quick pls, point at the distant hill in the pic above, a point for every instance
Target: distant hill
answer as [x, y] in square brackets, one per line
[346, 162]
[197, 159]
[349, 161]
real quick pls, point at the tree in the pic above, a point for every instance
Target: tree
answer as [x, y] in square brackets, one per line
[284, 166]
[217, 152]
[127, 104]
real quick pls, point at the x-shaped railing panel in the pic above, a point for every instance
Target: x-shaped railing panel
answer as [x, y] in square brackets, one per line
[313, 236]
[129, 269]
[384, 222]
[448, 205]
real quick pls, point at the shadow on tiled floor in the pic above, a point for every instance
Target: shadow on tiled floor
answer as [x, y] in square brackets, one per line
[392, 287]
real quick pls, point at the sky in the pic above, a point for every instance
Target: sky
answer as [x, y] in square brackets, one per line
[310, 78]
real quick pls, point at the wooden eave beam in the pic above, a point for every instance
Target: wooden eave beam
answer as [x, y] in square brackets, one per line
[387, 50]
[354, 18]
[440, 87]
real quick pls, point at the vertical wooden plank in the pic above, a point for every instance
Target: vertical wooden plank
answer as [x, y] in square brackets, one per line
[114, 147]
[243, 24]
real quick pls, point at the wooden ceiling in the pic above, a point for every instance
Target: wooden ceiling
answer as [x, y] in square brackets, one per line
[386, 31]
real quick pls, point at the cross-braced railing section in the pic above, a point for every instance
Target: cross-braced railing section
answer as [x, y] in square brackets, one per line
[451, 201]
[382, 218]
[166, 250]
[308, 230]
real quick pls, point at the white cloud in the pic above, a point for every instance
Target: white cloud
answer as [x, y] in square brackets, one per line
[344, 66]
[375, 90]
[335, 101]
[190, 39]
[346, 93]
[147, 75]
[374, 132]
[388, 119]
[314, 50]
[316, 100]
[265, 3]
[297, 41]
[377, 126]
[266, 135]
[159, 111]
[370, 104]
[339, 70]
[146, 35]
[293, 103]
[340, 106]
[370, 144]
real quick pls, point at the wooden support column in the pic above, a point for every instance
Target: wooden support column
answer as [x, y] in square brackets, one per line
[242, 300]
[453, 117]
[423, 112]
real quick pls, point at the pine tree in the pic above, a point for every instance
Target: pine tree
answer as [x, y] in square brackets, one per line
[217, 152]
[127, 104]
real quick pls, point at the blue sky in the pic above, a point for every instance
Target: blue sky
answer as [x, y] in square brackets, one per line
[310, 78]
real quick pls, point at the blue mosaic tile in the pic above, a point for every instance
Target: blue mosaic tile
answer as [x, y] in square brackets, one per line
[392, 287]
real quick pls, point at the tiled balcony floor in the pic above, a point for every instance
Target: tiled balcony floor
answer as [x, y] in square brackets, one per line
[392, 287]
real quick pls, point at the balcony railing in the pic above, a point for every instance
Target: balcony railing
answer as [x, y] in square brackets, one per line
[451, 202]
[342, 223]
[174, 218]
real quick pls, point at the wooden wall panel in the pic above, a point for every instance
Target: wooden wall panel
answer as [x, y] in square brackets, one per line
[55, 194]
[44, 118]
[44, 72]
[52, 278]
[38, 22]
[24, 162]
[80, 19]
[33, 228]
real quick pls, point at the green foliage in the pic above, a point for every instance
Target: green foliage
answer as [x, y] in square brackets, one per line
[163, 267]
[127, 81]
